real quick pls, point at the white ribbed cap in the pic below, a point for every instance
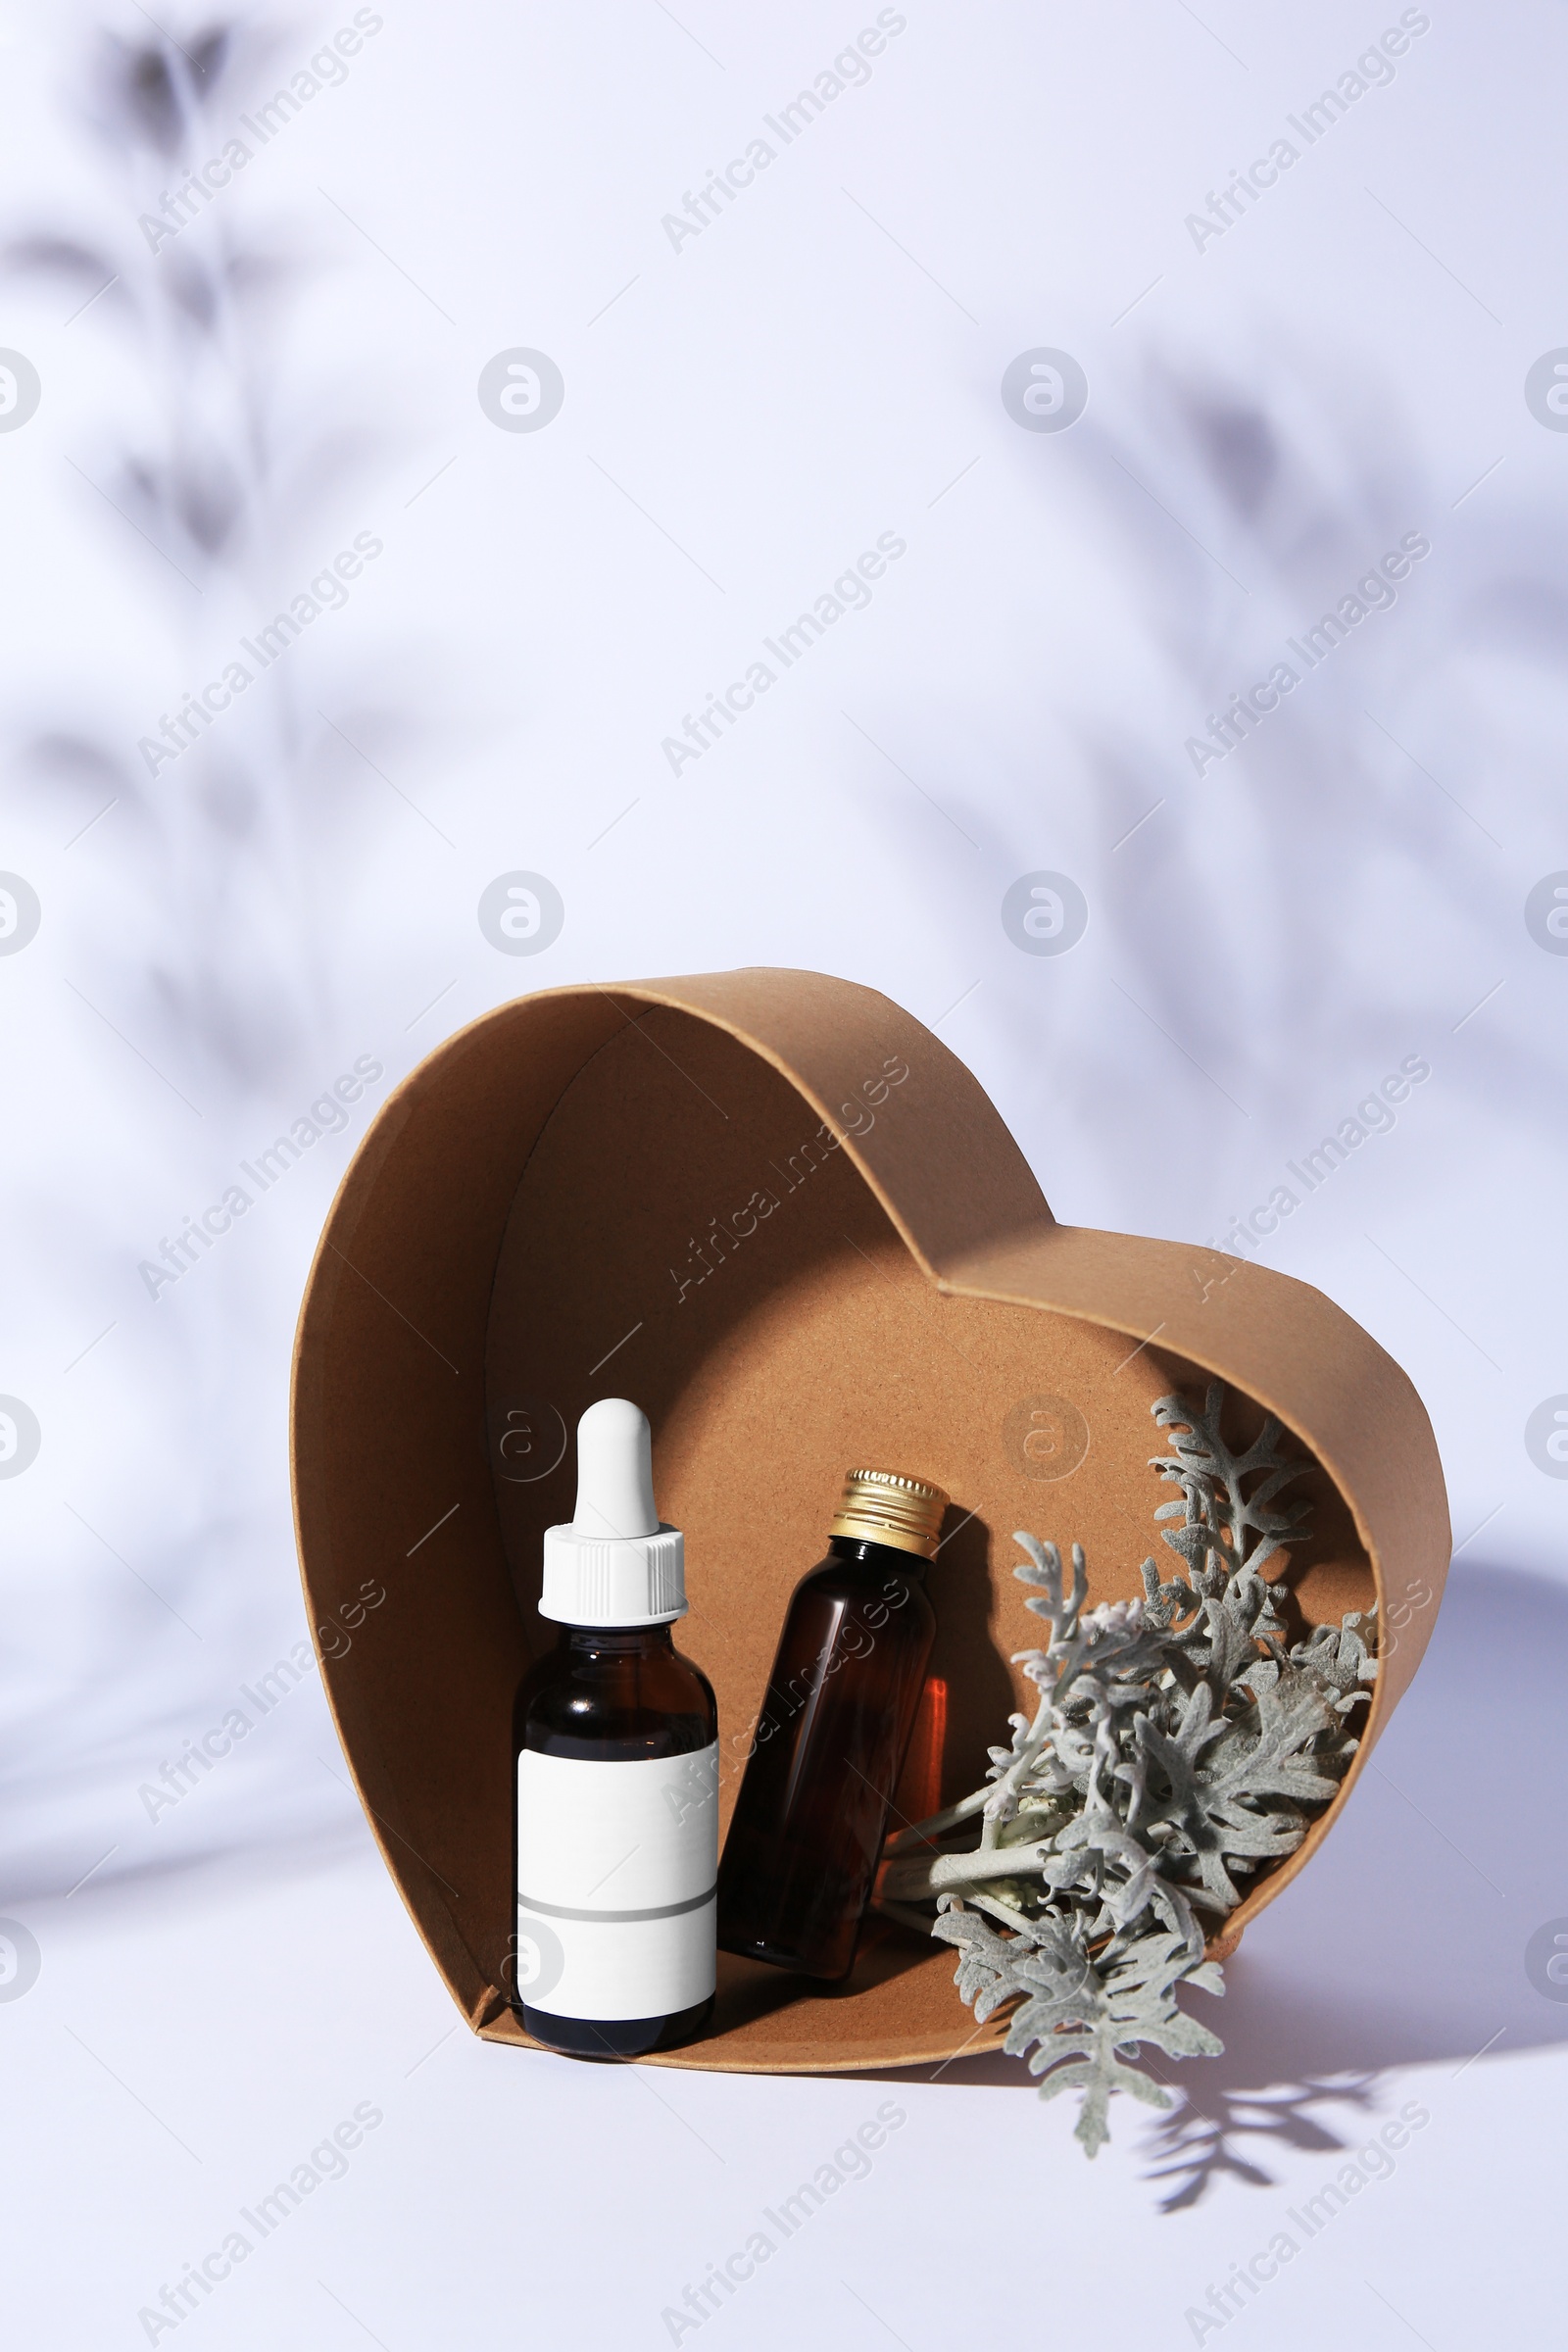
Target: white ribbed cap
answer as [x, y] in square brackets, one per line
[615, 1564]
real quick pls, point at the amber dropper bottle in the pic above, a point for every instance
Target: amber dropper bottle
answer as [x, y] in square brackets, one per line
[802, 1852]
[614, 1737]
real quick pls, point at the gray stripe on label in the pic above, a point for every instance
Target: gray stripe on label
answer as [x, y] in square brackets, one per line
[695, 1902]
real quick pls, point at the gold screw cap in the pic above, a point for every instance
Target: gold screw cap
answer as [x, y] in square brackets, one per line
[879, 1506]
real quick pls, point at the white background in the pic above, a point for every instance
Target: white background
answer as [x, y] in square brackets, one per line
[743, 416]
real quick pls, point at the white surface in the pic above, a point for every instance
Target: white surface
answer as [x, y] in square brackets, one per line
[744, 418]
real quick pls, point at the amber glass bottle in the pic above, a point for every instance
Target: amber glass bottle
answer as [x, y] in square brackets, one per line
[607, 1694]
[615, 1774]
[802, 1852]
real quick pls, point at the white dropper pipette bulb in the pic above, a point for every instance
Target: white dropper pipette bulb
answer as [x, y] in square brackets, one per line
[616, 1563]
[614, 1471]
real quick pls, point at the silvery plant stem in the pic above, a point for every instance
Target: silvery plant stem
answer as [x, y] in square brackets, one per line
[949, 1873]
[936, 1825]
[981, 1800]
[905, 1915]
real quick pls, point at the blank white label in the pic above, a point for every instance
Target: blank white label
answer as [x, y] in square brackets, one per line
[616, 1864]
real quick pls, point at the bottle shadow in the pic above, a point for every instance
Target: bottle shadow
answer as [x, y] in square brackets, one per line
[978, 1692]
[749, 1990]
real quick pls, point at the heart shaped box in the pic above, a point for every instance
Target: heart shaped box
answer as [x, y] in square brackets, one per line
[782, 1216]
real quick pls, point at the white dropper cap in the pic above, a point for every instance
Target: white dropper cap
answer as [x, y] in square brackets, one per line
[616, 1563]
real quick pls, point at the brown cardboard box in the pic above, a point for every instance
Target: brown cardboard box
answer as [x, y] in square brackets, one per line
[777, 1212]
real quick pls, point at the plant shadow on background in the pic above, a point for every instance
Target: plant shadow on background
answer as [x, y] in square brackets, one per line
[224, 506]
[220, 465]
[1402, 1942]
[1376, 766]
[1275, 913]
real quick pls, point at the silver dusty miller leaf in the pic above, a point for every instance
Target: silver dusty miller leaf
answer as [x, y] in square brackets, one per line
[1179, 1747]
[1078, 2016]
